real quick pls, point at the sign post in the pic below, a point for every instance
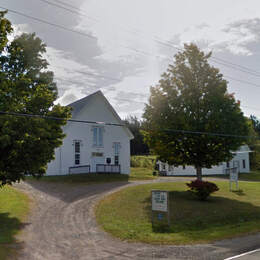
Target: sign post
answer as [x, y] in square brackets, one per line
[160, 209]
[233, 177]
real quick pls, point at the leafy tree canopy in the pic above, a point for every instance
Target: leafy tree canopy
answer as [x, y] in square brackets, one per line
[256, 124]
[192, 95]
[26, 86]
[137, 144]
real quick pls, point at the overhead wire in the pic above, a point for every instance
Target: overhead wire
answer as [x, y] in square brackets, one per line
[67, 4]
[123, 46]
[67, 9]
[115, 124]
[127, 47]
[49, 23]
[57, 118]
[160, 41]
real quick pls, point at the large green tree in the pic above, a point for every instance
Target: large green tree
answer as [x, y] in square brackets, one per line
[26, 87]
[192, 95]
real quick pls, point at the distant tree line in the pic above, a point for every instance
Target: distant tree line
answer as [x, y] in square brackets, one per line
[137, 145]
[255, 145]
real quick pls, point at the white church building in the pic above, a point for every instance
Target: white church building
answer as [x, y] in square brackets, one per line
[95, 146]
[240, 162]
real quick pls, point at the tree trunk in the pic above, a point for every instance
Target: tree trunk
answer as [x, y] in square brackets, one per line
[199, 173]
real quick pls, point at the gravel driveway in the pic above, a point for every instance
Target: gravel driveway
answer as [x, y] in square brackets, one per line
[62, 226]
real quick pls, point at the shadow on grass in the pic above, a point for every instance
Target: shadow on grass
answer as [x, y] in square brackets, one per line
[239, 192]
[81, 178]
[9, 227]
[189, 215]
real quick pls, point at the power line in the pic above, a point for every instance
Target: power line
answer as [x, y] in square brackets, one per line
[82, 13]
[234, 64]
[114, 124]
[235, 68]
[132, 49]
[71, 30]
[66, 4]
[141, 102]
[66, 9]
[223, 62]
[92, 74]
[118, 79]
[243, 81]
[49, 23]
[217, 60]
[58, 118]
[61, 7]
[126, 47]
[207, 133]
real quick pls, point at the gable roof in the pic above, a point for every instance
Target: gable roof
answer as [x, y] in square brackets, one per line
[81, 103]
[243, 149]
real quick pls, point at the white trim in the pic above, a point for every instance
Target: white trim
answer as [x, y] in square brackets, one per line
[247, 253]
[243, 152]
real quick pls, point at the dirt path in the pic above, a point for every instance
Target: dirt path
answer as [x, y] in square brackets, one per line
[62, 226]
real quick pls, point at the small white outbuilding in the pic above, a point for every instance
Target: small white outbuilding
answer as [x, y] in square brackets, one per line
[93, 147]
[240, 161]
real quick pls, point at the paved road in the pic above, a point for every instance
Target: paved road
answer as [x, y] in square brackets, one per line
[62, 226]
[251, 255]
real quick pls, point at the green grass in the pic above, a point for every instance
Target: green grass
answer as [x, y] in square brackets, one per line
[252, 176]
[14, 207]
[143, 161]
[127, 214]
[141, 174]
[89, 178]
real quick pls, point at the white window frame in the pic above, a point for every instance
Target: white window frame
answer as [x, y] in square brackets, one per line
[77, 153]
[98, 136]
[116, 147]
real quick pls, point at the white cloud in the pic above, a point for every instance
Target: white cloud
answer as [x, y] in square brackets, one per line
[125, 29]
[74, 79]
[18, 29]
[135, 24]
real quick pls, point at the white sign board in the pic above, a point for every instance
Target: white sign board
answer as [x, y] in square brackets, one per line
[234, 176]
[159, 201]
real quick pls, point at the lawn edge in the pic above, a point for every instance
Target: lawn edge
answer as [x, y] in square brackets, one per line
[198, 242]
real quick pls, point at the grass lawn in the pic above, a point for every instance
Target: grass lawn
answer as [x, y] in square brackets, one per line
[141, 174]
[127, 214]
[14, 207]
[136, 174]
[143, 161]
[252, 176]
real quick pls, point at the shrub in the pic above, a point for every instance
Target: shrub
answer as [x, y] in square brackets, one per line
[202, 189]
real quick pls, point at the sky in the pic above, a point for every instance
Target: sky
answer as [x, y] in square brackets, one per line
[123, 47]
